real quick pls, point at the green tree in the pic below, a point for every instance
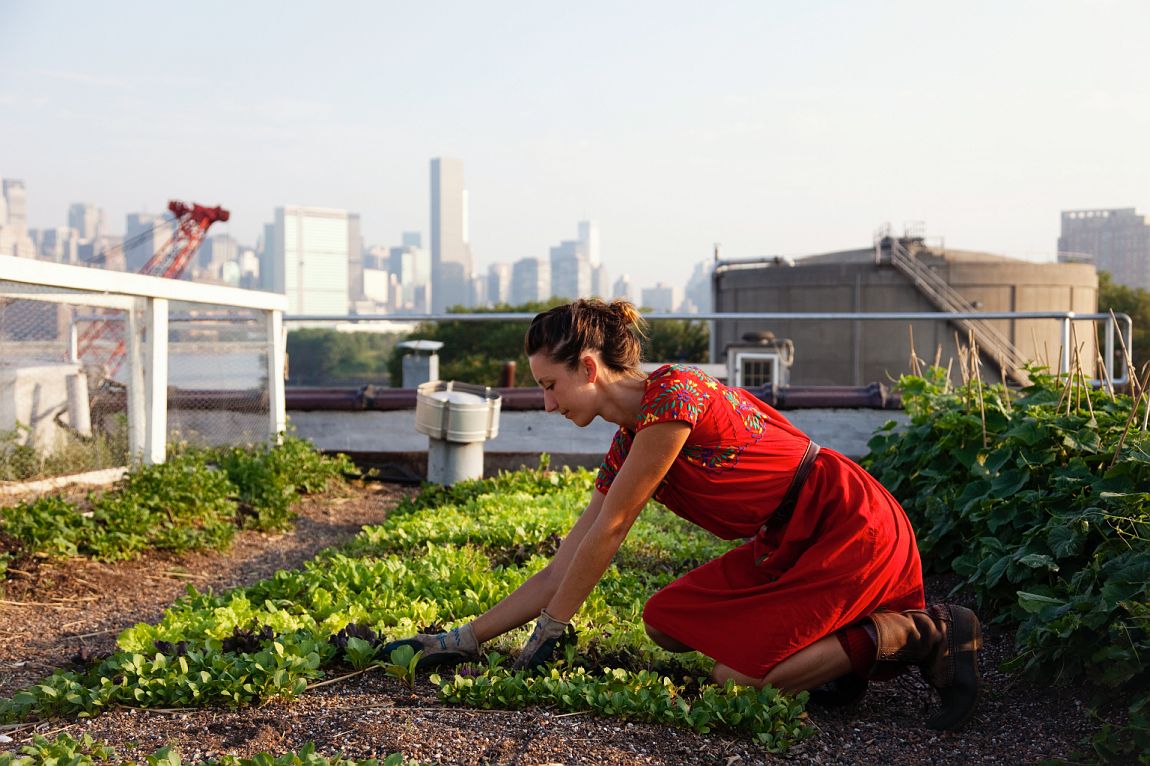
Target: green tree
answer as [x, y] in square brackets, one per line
[1134, 302]
[327, 357]
[477, 351]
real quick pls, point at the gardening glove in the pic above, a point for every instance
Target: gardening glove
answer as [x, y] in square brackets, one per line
[539, 648]
[439, 649]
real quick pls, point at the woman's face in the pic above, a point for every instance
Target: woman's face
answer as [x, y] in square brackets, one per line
[571, 392]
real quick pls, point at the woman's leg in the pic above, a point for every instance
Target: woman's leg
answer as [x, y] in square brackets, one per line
[665, 641]
[821, 662]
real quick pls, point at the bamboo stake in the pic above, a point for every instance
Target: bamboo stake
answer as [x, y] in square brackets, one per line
[1130, 371]
[1105, 376]
[1133, 414]
[914, 366]
[1084, 384]
[949, 365]
[976, 365]
[938, 355]
[1146, 412]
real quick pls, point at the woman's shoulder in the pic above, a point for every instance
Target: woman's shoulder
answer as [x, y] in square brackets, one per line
[677, 372]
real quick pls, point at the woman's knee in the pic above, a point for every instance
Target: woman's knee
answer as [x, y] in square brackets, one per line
[720, 674]
[665, 641]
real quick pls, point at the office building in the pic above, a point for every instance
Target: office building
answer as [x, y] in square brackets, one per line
[410, 264]
[144, 234]
[661, 298]
[451, 265]
[589, 239]
[570, 271]
[1116, 240]
[600, 281]
[530, 281]
[214, 252]
[308, 259]
[498, 283]
[87, 220]
[355, 257]
[623, 288]
[14, 235]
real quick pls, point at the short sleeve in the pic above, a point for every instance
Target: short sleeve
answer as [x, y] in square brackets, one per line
[613, 461]
[675, 394]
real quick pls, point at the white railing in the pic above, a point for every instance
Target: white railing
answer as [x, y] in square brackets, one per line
[1115, 324]
[145, 301]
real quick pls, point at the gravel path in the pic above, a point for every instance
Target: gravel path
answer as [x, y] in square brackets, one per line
[52, 610]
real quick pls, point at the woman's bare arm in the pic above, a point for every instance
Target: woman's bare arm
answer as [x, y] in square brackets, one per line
[652, 453]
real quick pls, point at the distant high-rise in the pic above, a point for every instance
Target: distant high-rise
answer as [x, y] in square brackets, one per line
[530, 281]
[623, 289]
[661, 298]
[411, 266]
[589, 239]
[600, 281]
[698, 293]
[355, 257]
[1118, 239]
[451, 265]
[217, 250]
[310, 249]
[86, 219]
[570, 271]
[14, 236]
[498, 283]
[144, 234]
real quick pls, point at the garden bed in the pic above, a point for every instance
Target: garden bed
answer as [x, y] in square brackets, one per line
[62, 608]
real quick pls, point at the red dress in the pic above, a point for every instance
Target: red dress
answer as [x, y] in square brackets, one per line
[847, 550]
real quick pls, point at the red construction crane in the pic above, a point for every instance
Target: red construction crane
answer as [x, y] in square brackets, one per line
[102, 341]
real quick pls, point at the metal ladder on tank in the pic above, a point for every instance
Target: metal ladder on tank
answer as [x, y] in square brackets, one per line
[991, 343]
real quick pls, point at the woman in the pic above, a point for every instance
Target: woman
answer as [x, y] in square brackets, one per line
[825, 592]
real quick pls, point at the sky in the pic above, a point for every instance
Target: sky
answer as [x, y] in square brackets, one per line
[768, 128]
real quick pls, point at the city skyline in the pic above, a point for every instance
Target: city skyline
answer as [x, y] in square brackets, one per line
[769, 128]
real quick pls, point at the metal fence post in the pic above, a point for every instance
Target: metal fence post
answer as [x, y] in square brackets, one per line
[156, 380]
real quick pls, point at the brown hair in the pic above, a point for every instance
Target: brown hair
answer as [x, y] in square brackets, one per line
[565, 332]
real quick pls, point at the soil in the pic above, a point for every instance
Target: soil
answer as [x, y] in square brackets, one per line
[53, 610]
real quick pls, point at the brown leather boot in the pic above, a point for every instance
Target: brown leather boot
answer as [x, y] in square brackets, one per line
[943, 641]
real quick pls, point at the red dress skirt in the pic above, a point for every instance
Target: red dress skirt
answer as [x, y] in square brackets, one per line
[847, 550]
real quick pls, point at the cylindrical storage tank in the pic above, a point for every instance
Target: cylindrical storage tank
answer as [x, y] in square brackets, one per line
[858, 352]
[457, 418]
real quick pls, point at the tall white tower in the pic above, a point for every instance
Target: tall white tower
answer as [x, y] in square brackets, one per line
[451, 265]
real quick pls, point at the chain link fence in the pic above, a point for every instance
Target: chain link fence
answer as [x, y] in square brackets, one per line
[68, 365]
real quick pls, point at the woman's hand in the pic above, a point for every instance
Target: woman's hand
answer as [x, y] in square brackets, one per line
[439, 649]
[539, 648]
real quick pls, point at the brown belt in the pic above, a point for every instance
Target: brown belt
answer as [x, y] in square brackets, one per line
[786, 506]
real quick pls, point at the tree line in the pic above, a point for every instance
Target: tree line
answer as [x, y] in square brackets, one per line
[473, 351]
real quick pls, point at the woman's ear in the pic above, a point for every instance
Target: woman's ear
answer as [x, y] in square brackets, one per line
[591, 367]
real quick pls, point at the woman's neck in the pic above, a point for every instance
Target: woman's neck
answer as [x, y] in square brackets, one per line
[623, 399]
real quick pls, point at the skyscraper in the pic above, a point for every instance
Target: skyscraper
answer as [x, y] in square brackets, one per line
[144, 234]
[530, 280]
[14, 237]
[451, 265]
[1118, 239]
[589, 239]
[86, 219]
[310, 259]
[570, 271]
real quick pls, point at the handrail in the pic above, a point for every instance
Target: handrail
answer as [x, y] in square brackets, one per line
[1120, 322]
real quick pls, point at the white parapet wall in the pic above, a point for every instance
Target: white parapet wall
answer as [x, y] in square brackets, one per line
[35, 401]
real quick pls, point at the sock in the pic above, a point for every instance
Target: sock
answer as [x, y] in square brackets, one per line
[860, 644]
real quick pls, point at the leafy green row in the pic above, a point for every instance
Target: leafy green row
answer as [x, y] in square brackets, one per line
[773, 719]
[85, 751]
[1045, 520]
[197, 499]
[415, 577]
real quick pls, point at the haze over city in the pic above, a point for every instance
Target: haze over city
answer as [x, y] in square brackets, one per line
[769, 127]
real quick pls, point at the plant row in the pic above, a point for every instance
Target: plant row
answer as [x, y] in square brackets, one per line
[67, 750]
[442, 558]
[195, 500]
[1039, 500]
